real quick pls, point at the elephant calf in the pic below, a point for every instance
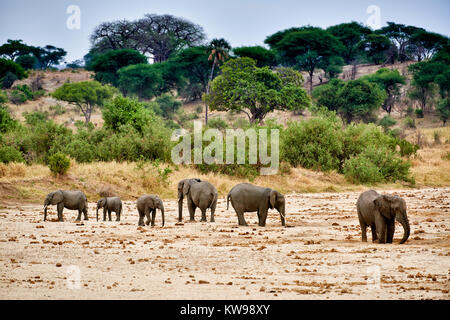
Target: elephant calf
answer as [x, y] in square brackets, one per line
[201, 194]
[72, 200]
[246, 197]
[379, 212]
[147, 204]
[110, 204]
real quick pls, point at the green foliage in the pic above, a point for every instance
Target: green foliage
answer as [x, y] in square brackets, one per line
[409, 122]
[168, 105]
[143, 80]
[443, 110]
[255, 91]
[217, 123]
[375, 48]
[10, 66]
[6, 121]
[27, 61]
[352, 99]
[86, 95]
[9, 154]
[407, 149]
[58, 163]
[419, 113]
[8, 80]
[33, 118]
[262, 56]
[17, 97]
[386, 122]
[106, 65]
[57, 109]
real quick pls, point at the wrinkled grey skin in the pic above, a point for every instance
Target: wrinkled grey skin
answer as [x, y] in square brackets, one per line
[379, 212]
[201, 194]
[72, 200]
[110, 204]
[246, 197]
[147, 204]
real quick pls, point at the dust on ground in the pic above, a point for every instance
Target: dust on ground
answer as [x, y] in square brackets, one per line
[318, 256]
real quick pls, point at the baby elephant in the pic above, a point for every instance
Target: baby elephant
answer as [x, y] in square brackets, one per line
[110, 204]
[72, 200]
[379, 212]
[147, 204]
[246, 197]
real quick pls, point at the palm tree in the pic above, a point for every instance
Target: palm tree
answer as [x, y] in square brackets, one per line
[218, 49]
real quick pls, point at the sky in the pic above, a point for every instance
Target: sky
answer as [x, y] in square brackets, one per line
[241, 22]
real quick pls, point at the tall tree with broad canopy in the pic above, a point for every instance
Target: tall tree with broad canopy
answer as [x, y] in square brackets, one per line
[263, 57]
[390, 81]
[424, 44]
[143, 80]
[14, 48]
[85, 95]
[377, 48]
[243, 87]
[157, 35]
[307, 48]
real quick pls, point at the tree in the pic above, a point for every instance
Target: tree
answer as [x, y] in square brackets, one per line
[106, 65]
[12, 67]
[27, 61]
[307, 48]
[263, 57]
[425, 44]
[14, 48]
[48, 56]
[400, 35]
[158, 35]
[390, 81]
[218, 49]
[376, 48]
[85, 95]
[243, 87]
[289, 76]
[443, 110]
[144, 80]
[352, 99]
[350, 34]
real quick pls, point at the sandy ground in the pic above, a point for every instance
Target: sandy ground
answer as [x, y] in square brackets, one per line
[318, 256]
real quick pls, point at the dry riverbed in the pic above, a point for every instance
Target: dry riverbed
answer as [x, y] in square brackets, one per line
[318, 256]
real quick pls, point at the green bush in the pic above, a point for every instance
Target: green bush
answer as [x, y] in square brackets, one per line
[360, 169]
[386, 122]
[8, 80]
[6, 121]
[419, 113]
[17, 97]
[57, 109]
[217, 123]
[32, 118]
[9, 154]
[58, 163]
[409, 122]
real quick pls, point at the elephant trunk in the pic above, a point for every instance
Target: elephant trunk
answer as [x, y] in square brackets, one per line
[283, 217]
[162, 214]
[180, 208]
[403, 219]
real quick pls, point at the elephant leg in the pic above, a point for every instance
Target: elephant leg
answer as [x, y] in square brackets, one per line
[263, 217]
[147, 214]
[104, 214]
[60, 209]
[118, 215]
[153, 217]
[203, 214]
[390, 231]
[191, 207]
[141, 218]
[109, 214]
[363, 232]
[85, 213]
[259, 217]
[213, 210]
[374, 233]
[381, 229]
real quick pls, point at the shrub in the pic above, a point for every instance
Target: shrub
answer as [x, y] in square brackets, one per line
[407, 148]
[9, 154]
[10, 66]
[360, 169]
[57, 109]
[217, 123]
[419, 113]
[168, 105]
[8, 80]
[58, 163]
[33, 118]
[409, 122]
[386, 122]
[17, 97]
[6, 121]
[199, 109]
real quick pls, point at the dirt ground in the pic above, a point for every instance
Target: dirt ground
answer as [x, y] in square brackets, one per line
[318, 256]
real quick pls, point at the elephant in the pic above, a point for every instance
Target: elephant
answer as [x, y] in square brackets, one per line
[246, 197]
[72, 200]
[379, 212]
[147, 204]
[200, 194]
[110, 204]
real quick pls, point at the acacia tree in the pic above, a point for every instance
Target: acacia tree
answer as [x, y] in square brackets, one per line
[263, 57]
[218, 49]
[157, 35]
[425, 44]
[307, 48]
[243, 87]
[85, 95]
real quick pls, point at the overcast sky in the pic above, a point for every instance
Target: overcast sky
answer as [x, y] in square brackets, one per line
[241, 22]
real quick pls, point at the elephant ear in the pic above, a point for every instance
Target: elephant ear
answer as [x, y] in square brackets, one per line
[56, 197]
[273, 198]
[186, 187]
[383, 205]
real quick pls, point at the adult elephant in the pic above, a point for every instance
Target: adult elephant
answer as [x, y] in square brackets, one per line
[201, 194]
[145, 205]
[110, 204]
[246, 197]
[72, 200]
[379, 212]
